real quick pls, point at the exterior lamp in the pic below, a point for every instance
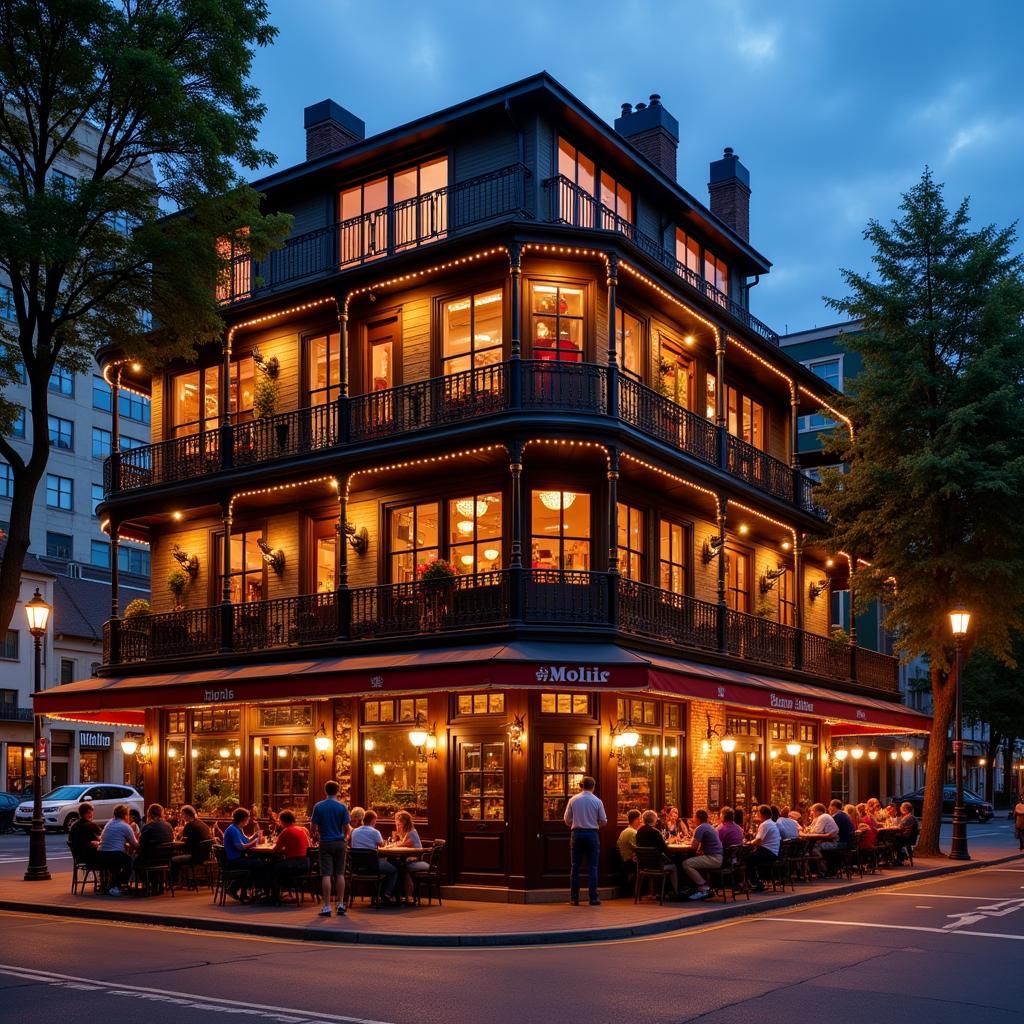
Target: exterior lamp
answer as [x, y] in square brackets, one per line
[841, 752]
[322, 741]
[907, 753]
[630, 738]
[37, 611]
[422, 738]
[857, 752]
[793, 748]
[728, 743]
[873, 752]
[981, 762]
[959, 622]
[893, 755]
[623, 735]
[516, 730]
[129, 747]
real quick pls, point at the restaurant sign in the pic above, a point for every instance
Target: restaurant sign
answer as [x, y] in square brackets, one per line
[95, 740]
[572, 674]
[211, 696]
[791, 704]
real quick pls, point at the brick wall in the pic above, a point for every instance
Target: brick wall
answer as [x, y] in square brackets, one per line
[730, 203]
[706, 761]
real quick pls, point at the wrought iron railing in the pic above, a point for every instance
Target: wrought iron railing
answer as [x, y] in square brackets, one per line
[284, 622]
[286, 434]
[566, 596]
[662, 418]
[823, 656]
[759, 468]
[12, 713]
[168, 635]
[564, 386]
[753, 638]
[663, 615]
[878, 670]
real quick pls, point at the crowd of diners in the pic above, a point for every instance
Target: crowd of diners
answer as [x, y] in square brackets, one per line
[833, 830]
[259, 860]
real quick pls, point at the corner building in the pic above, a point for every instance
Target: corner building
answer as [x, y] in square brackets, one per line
[503, 336]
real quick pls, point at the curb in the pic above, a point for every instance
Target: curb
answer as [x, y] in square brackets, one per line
[720, 912]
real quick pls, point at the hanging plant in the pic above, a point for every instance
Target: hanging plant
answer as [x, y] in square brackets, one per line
[839, 636]
[177, 581]
[764, 609]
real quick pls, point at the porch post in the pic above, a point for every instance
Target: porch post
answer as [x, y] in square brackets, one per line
[613, 537]
[853, 618]
[613, 347]
[114, 652]
[226, 609]
[342, 424]
[515, 569]
[720, 399]
[343, 596]
[798, 605]
[794, 432]
[227, 440]
[515, 366]
[723, 611]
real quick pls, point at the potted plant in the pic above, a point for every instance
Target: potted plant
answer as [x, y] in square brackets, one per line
[136, 608]
[177, 581]
[265, 393]
[437, 577]
[839, 637]
[764, 609]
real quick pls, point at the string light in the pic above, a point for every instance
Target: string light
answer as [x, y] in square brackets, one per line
[277, 315]
[824, 405]
[764, 362]
[674, 477]
[623, 265]
[426, 461]
[761, 515]
[332, 480]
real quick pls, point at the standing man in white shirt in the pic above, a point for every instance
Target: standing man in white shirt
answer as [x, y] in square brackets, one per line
[585, 814]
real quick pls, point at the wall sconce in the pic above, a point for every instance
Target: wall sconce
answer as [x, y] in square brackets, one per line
[623, 736]
[815, 590]
[423, 739]
[190, 563]
[771, 577]
[322, 741]
[358, 540]
[271, 367]
[727, 742]
[143, 751]
[275, 559]
[712, 547]
[516, 730]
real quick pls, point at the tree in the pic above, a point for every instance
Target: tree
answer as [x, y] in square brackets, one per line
[160, 88]
[935, 469]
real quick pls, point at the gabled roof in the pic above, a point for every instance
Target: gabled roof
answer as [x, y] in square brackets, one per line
[80, 607]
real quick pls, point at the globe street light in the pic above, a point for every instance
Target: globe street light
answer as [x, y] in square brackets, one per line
[959, 621]
[38, 613]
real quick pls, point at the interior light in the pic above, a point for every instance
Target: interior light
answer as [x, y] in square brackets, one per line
[368, 745]
[793, 748]
[469, 508]
[491, 554]
[224, 753]
[466, 559]
[282, 752]
[555, 500]
[464, 526]
[378, 769]
[673, 751]
[172, 752]
[744, 529]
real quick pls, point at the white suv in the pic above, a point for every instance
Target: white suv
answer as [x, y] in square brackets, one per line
[60, 806]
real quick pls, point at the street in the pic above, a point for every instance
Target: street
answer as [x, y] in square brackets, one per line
[938, 950]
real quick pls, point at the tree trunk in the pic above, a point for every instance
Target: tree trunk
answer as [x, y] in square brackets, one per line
[944, 704]
[1009, 775]
[26, 481]
[991, 751]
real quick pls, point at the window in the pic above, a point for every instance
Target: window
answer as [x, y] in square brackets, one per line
[674, 549]
[96, 495]
[830, 371]
[129, 405]
[474, 533]
[99, 553]
[59, 492]
[281, 775]
[67, 670]
[412, 539]
[62, 433]
[421, 203]
[395, 779]
[364, 221]
[558, 326]
[482, 781]
[716, 273]
[675, 371]
[560, 530]
[565, 764]
[133, 560]
[638, 712]
[248, 570]
[190, 415]
[61, 182]
[234, 279]
[280, 716]
[7, 310]
[18, 424]
[471, 331]
[6, 481]
[687, 255]
[19, 766]
[617, 212]
[786, 589]
[480, 704]
[631, 542]
[576, 204]
[62, 382]
[737, 580]
[102, 443]
[565, 704]
[745, 418]
[323, 368]
[128, 443]
[59, 545]
[216, 772]
[407, 709]
[101, 395]
[629, 332]
[9, 649]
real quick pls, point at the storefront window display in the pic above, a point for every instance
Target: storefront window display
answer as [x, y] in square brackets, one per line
[395, 779]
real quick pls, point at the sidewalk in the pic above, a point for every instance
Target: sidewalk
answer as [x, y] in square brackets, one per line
[457, 923]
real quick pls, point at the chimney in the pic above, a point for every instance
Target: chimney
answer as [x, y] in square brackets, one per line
[729, 189]
[330, 127]
[653, 131]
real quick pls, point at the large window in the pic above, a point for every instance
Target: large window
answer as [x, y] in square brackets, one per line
[579, 170]
[675, 372]
[413, 535]
[395, 776]
[281, 775]
[716, 272]
[746, 418]
[617, 203]
[474, 533]
[471, 331]
[323, 368]
[565, 764]
[688, 254]
[59, 545]
[629, 331]
[632, 541]
[364, 221]
[674, 550]
[482, 781]
[59, 492]
[19, 767]
[737, 580]
[557, 315]
[62, 382]
[560, 530]
[195, 397]
[830, 371]
[9, 645]
[129, 405]
[248, 570]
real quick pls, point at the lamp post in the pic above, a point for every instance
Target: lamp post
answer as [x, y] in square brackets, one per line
[960, 621]
[38, 613]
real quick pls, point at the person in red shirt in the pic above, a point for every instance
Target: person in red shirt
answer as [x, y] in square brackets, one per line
[293, 842]
[867, 824]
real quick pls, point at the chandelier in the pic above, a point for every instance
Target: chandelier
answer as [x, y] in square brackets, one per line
[468, 507]
[555, 500]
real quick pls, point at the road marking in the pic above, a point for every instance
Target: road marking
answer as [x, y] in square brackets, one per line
[943, 896]
[892, 927]
[162, 995]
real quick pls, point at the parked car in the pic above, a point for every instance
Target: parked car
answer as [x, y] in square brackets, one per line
[975, 808]
[8, 803]
[60, 806]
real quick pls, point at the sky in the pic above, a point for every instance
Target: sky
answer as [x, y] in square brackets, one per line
[834, 106]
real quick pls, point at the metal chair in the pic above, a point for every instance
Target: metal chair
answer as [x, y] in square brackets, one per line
[226, 875]
[651, 864]
[154, 874]
[730, 877]
[366, 872]
[431, 878]
[80, 872]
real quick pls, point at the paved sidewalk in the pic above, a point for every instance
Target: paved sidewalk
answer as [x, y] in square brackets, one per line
[457, 923]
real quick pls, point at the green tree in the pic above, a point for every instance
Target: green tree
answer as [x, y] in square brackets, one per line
[151, 101]
[936, 465]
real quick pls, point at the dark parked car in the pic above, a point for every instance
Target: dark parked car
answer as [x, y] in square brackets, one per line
[8, 802]
[975, 808]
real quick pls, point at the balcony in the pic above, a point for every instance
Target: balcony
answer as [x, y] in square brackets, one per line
[442, 402]
[423, 220]
[12, 713]
[569, 204]
[484, 601]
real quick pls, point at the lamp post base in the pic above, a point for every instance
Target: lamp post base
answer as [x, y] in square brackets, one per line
[958, 844]
[38, 870]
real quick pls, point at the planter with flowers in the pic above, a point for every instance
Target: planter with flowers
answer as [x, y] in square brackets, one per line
[436, 579]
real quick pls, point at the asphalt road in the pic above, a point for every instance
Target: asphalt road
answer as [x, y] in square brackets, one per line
[945, 950]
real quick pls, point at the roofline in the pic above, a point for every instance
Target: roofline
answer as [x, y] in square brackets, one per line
[540, 82]
[814, 333]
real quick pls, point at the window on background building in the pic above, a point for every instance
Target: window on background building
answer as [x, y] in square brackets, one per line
[132, 560]
[61, 182]
[67, 670]
[96, 495]
[9, 646]
[61, 433]
[102, 443]
[99, 553]
[716, 272]
[576, 202]
[129, 405]
[687, 255]
[128, 443]
[6, 481]
[830, 371]
[413, 537]
[247, 578]
[632, 541]
[18, 424]
[59, 545]
[59, 492]
[472, 331]
[323, 368]
[475, 533]
[101, 395]
[7, 310]
[745, 418]
[557, 315]
[560, 530]
[785, 586]
[62, 382]
[674, 545]
[737, 580]
[629, 332]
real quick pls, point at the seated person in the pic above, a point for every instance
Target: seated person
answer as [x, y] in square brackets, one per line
[766, 843]
[406, 836]
[909, 830]
[648, 836]
[709, 855]
[891, 817]
[728, 831]
[117, 843]
[154, 834]
[236, 846]
[787, 827]
[366, 837]
[874, 809]
[822, 824]
[626, 864]
[135, 821]
[293, 842]
[84, 836]
[193, 833]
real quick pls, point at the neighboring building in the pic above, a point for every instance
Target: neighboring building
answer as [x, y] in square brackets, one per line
[822, 351]
[503, 336]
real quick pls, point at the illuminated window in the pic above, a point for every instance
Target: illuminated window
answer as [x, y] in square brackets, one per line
[235, 278]
[716, 272]
[412, 539]
[629, 331]
[394, 777]
[674, 546]
[687, 255]
[421, 203]
[737, 580]
[480, 704]
[576, 207]
[745, 418]
[616, 203]
[631, 541]
[363, 212]
[248, 571]
[564, 765]
[195, 397]
[785, 587]
[560, 534]
[558, 323]
[565, 704]
[323, 368]
[472, 331]
[474, 533]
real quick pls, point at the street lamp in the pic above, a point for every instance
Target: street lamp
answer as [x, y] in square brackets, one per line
[38, 613]
[959, 621]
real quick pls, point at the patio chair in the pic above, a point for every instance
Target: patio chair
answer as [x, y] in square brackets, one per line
[653, 865]
[730, 876]
[225, 875]
[366, 873]
[431, 878]
[189, 871]
[784, 866]
[80, 872]
[154, 874]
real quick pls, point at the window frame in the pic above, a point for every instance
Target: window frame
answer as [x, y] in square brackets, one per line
[255, 530]
[175, 430]
[625, 552]
[641, 342]
[562, 536]
[61, 492]
[64, 380]
[733, 552]
[70, 547]
[331, 390]
[686, 531]
[586, 319]
[807, 424]
[60, 432]
[441, 304]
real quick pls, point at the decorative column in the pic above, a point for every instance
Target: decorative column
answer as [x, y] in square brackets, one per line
[515, 368]
[613, 537]
[515, 570]
[114, 653]
[720, 401]
[342, 422]
[227, 632]
[798, 605]
[723, 611]
[853, 618]
[794, 432]
[227, 440]
[613, 346]
[115, 431]
[343, 596]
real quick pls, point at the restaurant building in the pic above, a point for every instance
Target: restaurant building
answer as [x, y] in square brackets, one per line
[506, 338]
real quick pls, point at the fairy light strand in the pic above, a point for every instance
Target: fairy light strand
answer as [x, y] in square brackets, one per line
[332, 480]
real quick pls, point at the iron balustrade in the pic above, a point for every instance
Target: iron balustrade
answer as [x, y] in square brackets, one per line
[826, 657]
[166, 636]
[565, 596]
[876, 669]
[759, 468]
[376, 234]
[664, 615]
[284, 622]
[660, 417]
[564, 386]
[285, 434]
[12, 713]
[753, 638]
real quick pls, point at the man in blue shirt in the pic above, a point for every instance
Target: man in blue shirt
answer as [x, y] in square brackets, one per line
[236, 845]
[329, 824]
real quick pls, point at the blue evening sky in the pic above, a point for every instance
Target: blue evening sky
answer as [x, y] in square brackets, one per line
[835, 106]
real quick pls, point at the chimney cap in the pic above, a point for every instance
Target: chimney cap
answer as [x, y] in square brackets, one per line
[647, 118]
[729, 168]
[328, 110]
[627, 108]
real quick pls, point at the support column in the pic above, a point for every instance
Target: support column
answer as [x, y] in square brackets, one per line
[720, 401]
[515, 368]
[115, 431]
[723, 611]
[515, 570]
[342, 421]
[343, 596]
[227, 631]
[853, 618]
[613, 537]
[613, 346]
[794, 431]
[114, 651]
[798, 604]
[227, 439]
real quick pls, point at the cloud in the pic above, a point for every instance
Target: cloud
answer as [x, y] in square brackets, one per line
[974, 135]
[759, 46]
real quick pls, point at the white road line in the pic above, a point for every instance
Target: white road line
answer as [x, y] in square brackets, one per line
[892, 927]
[943, 896]
[196, 1002]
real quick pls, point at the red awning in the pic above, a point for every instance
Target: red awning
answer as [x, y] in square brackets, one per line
[127, 719]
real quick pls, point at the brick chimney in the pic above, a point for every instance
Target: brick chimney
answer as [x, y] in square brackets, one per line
[653, 131]
[330, 127]
[729, 188]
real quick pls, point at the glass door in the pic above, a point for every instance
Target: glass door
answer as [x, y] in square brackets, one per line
[282, 769]
[481, 847]
[564, 762]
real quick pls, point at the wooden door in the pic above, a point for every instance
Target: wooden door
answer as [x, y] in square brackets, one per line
[381, 351]
[480, 769]
[565, 759]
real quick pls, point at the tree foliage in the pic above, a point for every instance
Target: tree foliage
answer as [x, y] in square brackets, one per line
[150, 101]
[935, 470]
